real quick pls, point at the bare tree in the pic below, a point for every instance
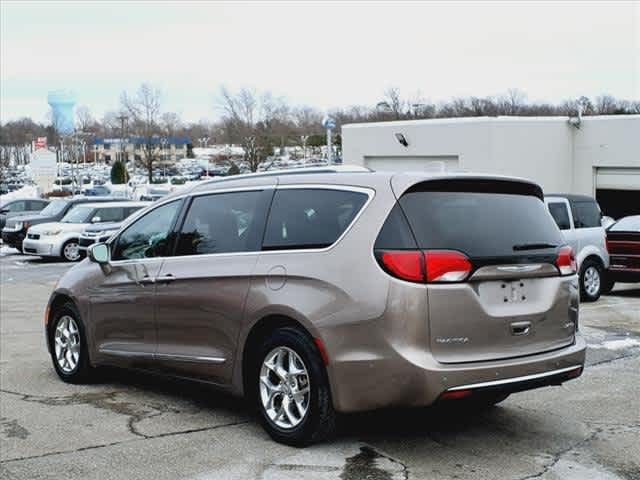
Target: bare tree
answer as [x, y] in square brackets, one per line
[144, 110]
[171, 123]
[249, 118]
[84, 120]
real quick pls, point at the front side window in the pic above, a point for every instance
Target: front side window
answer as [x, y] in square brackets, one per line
[223, 223]
[310, 218]
[586, 215]
[560, 214]
[148, 236]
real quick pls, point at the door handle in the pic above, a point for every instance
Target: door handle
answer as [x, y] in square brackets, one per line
[146, 280]
[168, 278]
[520, 328]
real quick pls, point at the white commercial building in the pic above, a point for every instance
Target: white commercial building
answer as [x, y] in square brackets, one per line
[598, 156]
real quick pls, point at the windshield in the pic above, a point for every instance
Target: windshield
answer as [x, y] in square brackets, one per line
[627, 224]
[54, 208]
[79, 214]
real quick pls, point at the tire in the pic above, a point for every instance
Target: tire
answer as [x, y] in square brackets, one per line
[70, 251]
[607, 283]
[590, 280]
[74, 367]
[281, 347]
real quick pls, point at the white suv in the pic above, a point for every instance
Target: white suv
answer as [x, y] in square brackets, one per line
[580, 220]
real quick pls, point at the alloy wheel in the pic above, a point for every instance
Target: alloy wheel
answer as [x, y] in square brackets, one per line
[67, 344]
[71, 252]
[592, 281]
[284, 387]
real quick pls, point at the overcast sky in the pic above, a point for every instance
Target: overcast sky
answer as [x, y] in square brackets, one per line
[322, 54]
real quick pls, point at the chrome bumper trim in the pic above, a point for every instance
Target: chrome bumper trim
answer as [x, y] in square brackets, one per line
[507, 381]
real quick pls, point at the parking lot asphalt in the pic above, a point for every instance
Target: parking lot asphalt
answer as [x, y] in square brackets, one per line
[134, 426]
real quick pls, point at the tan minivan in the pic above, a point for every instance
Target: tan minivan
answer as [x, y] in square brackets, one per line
[323, 292]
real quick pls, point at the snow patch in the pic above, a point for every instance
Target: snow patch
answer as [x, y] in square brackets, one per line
[621, 344]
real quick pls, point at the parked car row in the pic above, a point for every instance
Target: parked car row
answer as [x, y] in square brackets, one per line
[62, 239]
[604, 256]
[57, 228]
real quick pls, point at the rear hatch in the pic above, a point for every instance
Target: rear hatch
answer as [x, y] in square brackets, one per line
[490, 253]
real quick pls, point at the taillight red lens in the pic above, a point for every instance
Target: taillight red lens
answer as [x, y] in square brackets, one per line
[566, 261]
[446, 266]
[404, 264]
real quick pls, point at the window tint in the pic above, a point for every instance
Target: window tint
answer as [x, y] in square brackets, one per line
[36, 205]
[110, 214]
[223, 223]
[395, 233]
[148, 236]
[130, 211]
[479, 224]
[586, 214]
[560, 214]
[79, 214]
[310, 218]
[54, 208]
[17, 206]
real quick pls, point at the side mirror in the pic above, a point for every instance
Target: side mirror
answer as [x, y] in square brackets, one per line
[96, 219]
[99, 253]
[4, 210]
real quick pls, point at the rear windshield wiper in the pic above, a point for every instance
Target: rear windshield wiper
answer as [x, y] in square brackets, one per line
[533, 246]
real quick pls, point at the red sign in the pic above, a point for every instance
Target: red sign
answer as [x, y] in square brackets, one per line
[41, 142]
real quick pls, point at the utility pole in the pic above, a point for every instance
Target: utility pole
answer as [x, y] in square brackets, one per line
[329, 123]
[123, 120]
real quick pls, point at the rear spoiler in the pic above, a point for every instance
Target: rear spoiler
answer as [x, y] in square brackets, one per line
[479, 184]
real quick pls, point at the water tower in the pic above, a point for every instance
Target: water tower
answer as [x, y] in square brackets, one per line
[62, 103]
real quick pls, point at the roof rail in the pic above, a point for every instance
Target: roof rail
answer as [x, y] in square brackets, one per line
[290, 171]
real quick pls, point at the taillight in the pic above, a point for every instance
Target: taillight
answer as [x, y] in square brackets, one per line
[566, 261]
[446, 266]
[404, 264]
[427, 266]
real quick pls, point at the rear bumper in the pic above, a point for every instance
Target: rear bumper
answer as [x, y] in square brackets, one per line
[399, 381]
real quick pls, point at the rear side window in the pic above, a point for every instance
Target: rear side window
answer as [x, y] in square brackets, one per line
[560, 214]
[395, 233]
[586, 215]
[223, 223]
[310, 218]
[479, 224]
[17, 206]
[111, 214]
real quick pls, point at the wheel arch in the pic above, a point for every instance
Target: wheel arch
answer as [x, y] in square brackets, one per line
[259, 330]
[590, 252]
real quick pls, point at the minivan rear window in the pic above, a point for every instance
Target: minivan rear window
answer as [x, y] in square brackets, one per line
[310, 217]
[480, 224]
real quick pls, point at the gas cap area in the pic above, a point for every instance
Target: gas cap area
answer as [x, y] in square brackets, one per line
[276, 277]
